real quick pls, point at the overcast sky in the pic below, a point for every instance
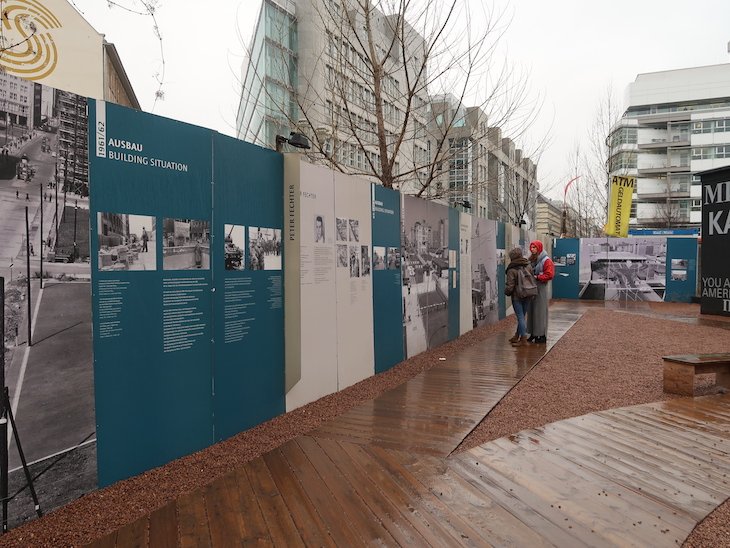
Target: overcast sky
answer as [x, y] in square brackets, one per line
[573, 50]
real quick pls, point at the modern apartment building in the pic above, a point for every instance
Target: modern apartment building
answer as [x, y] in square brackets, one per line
[676, 124]
[305, 74]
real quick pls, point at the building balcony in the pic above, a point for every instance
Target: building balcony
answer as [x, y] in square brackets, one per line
[663, 118]
[659, 169]
[664, 143]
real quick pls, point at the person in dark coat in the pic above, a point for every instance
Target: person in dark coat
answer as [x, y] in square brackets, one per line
[520, 305]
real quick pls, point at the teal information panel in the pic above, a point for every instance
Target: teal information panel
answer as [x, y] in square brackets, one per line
[387, 284]
[454, 260]
[681, 273]
[566, 257]
[150, 204]
[247, 255]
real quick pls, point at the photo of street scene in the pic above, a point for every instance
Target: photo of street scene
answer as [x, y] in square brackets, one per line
[233, 246]
[126, 242]
[378, 258]
[354, 261]
[425, 272]
[484, 292]
[393, 258]
[341, 225]
[185, 244]
[354, 230]
[342, 257]
[623, 269]
[44, 170]
[679, 270]
[264, 248]
[365, 261]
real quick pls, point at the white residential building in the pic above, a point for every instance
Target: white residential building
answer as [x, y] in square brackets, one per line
[676, 124]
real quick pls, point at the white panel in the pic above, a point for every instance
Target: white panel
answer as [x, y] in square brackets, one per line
[465, 302]
[66, 52]
[318, 318]
[695, 191]
[353, 257]
[695, 216]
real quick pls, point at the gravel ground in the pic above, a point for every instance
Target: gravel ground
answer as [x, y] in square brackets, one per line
[603, 371]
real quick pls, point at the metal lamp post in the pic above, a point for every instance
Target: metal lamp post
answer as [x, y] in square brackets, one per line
[564, 223]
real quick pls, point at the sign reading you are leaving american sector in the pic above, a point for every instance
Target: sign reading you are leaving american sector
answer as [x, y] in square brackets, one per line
[715, 297]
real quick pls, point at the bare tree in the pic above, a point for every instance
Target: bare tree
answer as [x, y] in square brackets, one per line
[386, 98]
[592, 164]
[144, 8]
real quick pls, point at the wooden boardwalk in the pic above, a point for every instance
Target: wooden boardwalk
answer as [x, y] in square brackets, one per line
[381, 473]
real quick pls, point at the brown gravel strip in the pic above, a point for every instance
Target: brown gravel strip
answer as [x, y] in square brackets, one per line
[608, 359]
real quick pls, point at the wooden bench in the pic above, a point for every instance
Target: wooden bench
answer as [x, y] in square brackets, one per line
[680, 371]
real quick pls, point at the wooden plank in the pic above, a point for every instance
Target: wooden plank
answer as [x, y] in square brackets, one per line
[612, 511]
[683, 500]
[380, 517]
[226, 512]
[281, 527]
[367, 524]
[193, 521]
[338, 524]
[163, 527]
[107, 541]
[433, 519]
[304, 514]
[255, 530]
[133, 535]
[464, 498]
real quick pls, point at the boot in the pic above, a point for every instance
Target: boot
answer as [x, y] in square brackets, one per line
[522, 341]
[541, 340]
[531, 339]
[514, 338]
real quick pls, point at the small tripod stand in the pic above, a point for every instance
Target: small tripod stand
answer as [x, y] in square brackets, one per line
[6, 412]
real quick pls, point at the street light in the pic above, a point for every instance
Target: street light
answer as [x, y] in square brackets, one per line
[297, 140]
[564, 223]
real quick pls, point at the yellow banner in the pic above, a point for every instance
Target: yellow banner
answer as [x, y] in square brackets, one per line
[619, 206]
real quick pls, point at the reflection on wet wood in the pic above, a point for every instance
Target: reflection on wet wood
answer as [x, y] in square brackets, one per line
[643, 475]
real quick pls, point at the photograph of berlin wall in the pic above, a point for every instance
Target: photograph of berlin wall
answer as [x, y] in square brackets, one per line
[44, 175]
[484, 292]
[185, 244]
[126, 242]
[623, 269]
[425, 272]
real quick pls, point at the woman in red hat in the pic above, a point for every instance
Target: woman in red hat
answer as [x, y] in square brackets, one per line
[544, 270]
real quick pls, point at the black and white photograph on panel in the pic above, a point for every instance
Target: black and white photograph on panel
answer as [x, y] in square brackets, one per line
[319, 234]
[354, 261]
[234, 244]
[378, 257]
[126, 242]
[425, 274]
[393, 258]
[354, 230]
[623, 269]
[342, 228]
[185, 244]
[264, 248]
[343, 260]
[484, 259]
[365, 261]
[679, 270]
[44, 169]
